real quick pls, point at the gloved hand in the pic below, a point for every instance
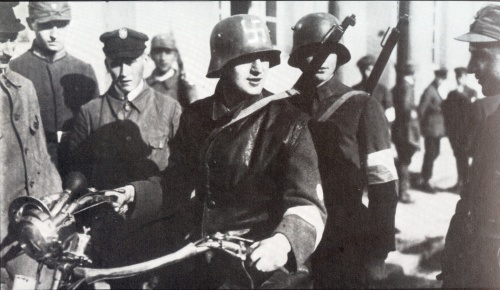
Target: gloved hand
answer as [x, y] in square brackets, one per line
[270, 254]
[124, 195]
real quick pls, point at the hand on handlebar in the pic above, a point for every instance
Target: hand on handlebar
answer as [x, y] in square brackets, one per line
[124, 195]
[270, 254]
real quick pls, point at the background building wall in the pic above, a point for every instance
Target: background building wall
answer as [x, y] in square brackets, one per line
[433, 24]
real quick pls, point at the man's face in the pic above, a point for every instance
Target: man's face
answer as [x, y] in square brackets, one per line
[485, 64]
[249, 75]
[163, 58]
[7, 46]
[51, 35]
[326, 71]
[126, 72]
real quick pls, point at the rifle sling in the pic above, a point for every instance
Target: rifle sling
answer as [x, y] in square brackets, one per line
[337, 104]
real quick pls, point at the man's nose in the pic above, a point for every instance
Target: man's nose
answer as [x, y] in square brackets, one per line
[125, 69]
[471, 67]
[256, 66]
[54, 31]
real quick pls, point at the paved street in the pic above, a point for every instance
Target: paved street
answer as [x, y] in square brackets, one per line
[423, 226]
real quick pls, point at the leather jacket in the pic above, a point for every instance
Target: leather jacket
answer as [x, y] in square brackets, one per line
[258, 174]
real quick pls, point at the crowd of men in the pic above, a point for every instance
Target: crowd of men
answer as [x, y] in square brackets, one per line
[288, 172]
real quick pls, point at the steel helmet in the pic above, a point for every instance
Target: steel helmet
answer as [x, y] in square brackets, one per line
[307, 34]
[237, 36]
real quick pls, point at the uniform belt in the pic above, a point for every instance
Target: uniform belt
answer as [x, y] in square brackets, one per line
[54, 137]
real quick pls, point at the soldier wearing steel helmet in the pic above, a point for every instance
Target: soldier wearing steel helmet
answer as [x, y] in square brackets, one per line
[25, 166]
[252, 164]
[472, 250]
[352, 141]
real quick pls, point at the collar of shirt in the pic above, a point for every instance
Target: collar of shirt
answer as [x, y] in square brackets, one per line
[138, 102]
[42, 53]
[7, 77]
[219, 110]
[161, 78]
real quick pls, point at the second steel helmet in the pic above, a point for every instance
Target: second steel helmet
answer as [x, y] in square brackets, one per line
[238, 36]
[308, 33]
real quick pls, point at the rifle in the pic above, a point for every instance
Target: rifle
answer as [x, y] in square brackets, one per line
[384, 55]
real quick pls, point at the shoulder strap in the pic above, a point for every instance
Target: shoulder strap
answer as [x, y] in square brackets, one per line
[262, 103]
[329, 112]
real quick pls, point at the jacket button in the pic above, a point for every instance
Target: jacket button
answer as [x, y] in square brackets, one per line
[128, 138]
[26, 151]
[16, 117]
[211, 203]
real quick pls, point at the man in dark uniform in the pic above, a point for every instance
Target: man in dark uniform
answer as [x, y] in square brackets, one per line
[122, 137]
[252, 163]
[354, 152]
[472, 251]
[456, 110]
[381, 93]
[169, 77]
[432, 126]
[63, 83]
[25, 166]
[405, 129]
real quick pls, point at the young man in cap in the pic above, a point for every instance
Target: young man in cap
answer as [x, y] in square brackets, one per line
[406, 128]
[169, 77]
[381, 93]
[456, 110]
[25, 166]
[352, 141]
[253, 166]
[432, 126]
[472, 251]
[120, 138]
[63, 83]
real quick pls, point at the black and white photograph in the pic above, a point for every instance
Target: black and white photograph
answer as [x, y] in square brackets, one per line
[249, 144]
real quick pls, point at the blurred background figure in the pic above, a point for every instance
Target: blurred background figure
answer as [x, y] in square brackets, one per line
[456, 109]
[169, 77]
[405, 129]
[381, 93]
[25, 166]
[432, 126]
[63, 83]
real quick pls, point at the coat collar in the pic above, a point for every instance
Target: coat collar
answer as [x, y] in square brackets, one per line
[43, 54]
[117, 99]
[11, 77]
[331, 88]
[219, 110]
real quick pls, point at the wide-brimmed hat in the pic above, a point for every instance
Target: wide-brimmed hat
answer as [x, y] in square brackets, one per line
[8, 21]
[486, 27]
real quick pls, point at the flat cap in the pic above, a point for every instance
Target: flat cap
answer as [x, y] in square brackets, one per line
[123, 43]
[486, 27]
[366, 61]
[42, 12]
[165, 40]
[8, 21]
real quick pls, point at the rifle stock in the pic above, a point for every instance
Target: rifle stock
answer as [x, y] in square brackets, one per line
[384, 55]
